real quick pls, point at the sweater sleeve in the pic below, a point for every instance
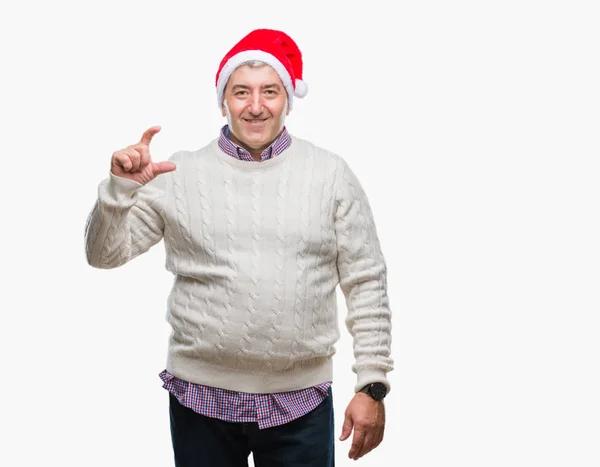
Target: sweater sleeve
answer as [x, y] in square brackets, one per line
[125, 221]
[363, 280]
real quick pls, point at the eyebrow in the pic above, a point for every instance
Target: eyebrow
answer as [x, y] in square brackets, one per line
[266, 86]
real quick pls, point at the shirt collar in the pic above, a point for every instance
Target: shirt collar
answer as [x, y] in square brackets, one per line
[281, 143]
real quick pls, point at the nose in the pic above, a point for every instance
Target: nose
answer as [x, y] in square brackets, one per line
[256, 104]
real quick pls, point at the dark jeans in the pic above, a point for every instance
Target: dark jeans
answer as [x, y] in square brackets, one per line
[200, 441]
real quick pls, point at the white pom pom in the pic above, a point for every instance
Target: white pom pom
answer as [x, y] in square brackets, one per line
[301, 88]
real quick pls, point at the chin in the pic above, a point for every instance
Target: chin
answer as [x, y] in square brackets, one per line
[253, 137]
[260, 137]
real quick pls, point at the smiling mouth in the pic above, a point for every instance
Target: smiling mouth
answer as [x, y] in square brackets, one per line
[255, 120]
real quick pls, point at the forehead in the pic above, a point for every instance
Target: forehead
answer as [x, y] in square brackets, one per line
[254, 76]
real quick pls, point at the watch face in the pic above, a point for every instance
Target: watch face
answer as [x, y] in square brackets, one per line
[378, 391]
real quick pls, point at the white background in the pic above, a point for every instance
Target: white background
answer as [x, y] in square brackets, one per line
[473, 126]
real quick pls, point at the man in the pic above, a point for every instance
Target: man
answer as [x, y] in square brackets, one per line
[259, 228]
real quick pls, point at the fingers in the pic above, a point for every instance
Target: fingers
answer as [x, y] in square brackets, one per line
[163, 167]
[120, 159]
[135, 163]
[136, 157]
[367, 446]
[357, 443]
[149, 134]
[129, 159]
[372, 439]
[379, 440]
[144, 152]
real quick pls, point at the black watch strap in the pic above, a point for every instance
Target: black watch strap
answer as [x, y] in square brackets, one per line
[376, 390]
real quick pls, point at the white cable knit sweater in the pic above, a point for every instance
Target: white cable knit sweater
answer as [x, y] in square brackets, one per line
[257, 250]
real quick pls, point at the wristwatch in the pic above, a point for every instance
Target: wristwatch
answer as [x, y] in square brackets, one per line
[376, 390]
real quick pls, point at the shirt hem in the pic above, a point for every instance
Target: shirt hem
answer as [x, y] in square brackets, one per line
[300, 377]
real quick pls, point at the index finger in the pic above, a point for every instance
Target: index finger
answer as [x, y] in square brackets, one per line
[149, 134]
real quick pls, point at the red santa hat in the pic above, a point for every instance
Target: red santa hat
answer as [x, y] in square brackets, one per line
[273, 47]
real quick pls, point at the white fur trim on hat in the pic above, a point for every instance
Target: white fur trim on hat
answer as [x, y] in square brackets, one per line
[301, 88]
[249, 55]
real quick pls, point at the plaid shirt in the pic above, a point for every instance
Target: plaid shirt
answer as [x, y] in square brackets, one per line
[282, 142]
[265, 409]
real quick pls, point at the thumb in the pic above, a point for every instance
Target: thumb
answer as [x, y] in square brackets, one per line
[346, 428]
[163, 167]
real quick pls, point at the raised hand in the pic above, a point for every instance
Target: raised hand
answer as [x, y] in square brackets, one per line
[134, 162]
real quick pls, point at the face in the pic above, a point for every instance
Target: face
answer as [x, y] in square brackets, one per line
[255, 104]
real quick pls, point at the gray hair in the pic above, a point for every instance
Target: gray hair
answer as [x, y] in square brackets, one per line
[253, 63]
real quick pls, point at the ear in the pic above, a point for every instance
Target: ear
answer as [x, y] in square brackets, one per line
[223, 113]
